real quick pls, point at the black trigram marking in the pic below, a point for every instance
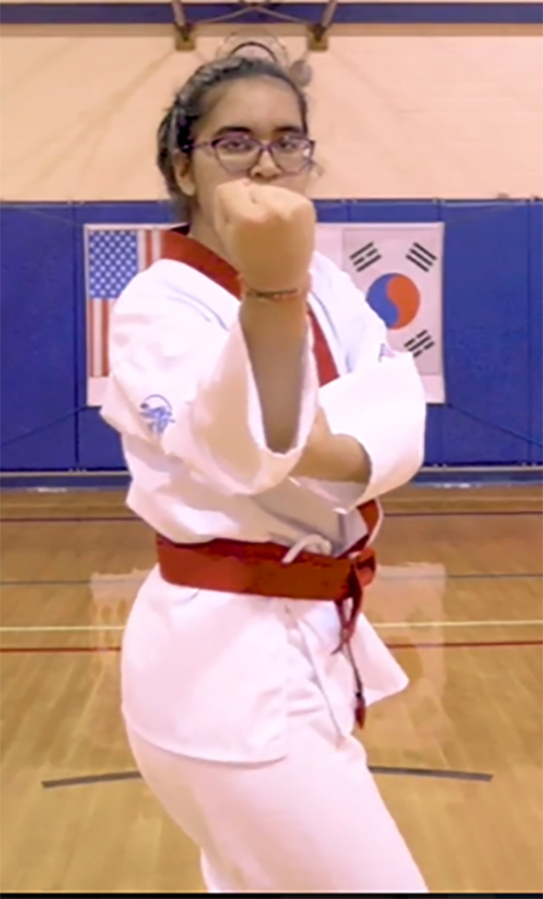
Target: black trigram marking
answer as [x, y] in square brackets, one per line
[365, 256]
[420, 343]
[422, 257]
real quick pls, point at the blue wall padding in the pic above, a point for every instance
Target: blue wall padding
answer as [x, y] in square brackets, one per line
[37, 334]
[493, 326]
[535, 293]
[487, 333]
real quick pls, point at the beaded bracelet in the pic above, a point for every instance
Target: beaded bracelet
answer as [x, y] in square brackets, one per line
[275, 296]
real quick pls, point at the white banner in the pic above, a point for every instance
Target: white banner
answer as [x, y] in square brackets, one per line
[397, 266]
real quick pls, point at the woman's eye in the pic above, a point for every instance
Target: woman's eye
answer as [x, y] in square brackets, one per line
[290, 143]
[236, 144]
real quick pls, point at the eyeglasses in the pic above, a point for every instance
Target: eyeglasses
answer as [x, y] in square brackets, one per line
[238, 153]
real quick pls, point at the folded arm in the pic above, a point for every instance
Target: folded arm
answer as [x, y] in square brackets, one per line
[375, 415]
[332, 457]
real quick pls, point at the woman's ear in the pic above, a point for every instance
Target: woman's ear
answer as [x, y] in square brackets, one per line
[315, 173]
[183, 175]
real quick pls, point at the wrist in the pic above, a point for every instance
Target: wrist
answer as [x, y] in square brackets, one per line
[293, 294]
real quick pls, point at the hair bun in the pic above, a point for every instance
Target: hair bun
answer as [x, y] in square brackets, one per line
[301, 72]
[264, 46]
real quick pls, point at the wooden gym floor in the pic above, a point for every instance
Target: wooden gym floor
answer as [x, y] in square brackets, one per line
[458, 756]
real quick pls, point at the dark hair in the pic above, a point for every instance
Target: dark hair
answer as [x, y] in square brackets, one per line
[176, 130]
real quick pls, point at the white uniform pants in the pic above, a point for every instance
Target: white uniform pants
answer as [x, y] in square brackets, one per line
[313, 821]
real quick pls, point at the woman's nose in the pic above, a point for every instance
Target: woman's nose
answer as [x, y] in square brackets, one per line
[265, 167]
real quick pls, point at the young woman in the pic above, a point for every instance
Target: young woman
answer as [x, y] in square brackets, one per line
[261, 414]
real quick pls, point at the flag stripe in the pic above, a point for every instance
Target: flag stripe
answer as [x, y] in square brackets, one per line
[97, 336]
[423, 345]
[147, 259]
[362, 250]
[142, 249]
[418, 261]
[360, 265]
[104, 307]
[424, 251]
[423, 264]
[90, 336]
[89, 339]
[157, 244]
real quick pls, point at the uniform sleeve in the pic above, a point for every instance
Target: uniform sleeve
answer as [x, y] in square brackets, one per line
[181, 379]
[380, 402]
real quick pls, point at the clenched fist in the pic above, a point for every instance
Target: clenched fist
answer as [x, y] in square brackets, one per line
[268, 233]
[332, 457]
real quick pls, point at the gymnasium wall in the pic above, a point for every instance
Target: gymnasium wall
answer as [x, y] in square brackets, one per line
[429, 110]
[403, 112]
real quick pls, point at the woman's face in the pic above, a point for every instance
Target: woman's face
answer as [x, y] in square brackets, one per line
[262, 108]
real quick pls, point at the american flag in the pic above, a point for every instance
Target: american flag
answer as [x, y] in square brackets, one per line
[113, 256]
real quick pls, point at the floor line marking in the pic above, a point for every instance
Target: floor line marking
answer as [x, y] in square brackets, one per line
[114, 776]
[383, 576]
[59, 628]
[527, 622]
[457, 644]
[473, 513]
[386, 625]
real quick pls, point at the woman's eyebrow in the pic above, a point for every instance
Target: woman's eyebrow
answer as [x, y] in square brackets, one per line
[242, 129]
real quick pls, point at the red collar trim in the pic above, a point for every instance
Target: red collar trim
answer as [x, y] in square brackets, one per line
[182, 248]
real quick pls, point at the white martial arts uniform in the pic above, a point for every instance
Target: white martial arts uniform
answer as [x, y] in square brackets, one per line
[238, 713]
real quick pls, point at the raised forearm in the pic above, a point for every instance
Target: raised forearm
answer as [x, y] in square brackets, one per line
[276, 334]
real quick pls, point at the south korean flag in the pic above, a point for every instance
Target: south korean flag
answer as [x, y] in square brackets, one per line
[398, 267]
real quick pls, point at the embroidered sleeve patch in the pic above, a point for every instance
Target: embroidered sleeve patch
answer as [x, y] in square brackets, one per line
[157, 413]
[385, 352]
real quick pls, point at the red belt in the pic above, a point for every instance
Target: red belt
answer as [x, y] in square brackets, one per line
[234, 566]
